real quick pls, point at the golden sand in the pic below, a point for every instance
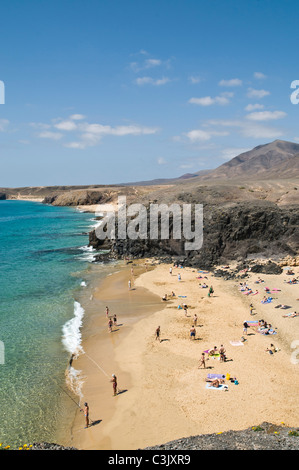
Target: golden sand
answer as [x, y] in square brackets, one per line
[163, 392]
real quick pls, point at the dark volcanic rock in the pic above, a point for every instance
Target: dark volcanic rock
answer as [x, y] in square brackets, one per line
[263, 437]
[269, 268]
[2, 196]
[234, 232]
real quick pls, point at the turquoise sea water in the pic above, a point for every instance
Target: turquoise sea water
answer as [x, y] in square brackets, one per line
[43, 254]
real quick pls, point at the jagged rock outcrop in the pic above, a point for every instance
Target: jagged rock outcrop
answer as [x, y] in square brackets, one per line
[233, 232]
[265, 436]
[2, 196]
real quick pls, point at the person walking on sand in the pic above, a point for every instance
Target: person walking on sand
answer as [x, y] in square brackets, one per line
[179, 277]
[170, 271]
[245, 326]
[107, 312]
[110, 323]
[202, 361]
[195, 319]
[211, 291]
[129, 284]
[114, 319]
[158, 334]
[114, 384]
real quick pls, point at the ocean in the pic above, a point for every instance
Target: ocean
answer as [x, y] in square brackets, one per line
[43, 259]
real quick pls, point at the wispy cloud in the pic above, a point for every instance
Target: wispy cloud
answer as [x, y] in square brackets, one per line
[195, 79]
[200, 135]
[252, 107]
[152, 81]
[231, 83]
[69, 125]
[253, 93]
[86, 134]
[266, 115]
[50, 135]
[248, 128]
[259, 75]
[4, 125]
[222, 99]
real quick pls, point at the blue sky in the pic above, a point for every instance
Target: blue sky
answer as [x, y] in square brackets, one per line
[102, 92]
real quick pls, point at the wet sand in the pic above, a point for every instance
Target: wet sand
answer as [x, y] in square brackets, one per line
[164, 392]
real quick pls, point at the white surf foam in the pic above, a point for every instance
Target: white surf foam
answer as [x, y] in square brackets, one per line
[71, 331]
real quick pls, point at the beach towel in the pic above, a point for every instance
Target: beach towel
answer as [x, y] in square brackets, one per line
[268, 301]
[216, 376]
[182, 296]
[221, 387]
[236, 343]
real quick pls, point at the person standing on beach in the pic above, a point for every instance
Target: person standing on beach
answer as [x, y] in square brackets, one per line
[110, 323]
[114, 384]
[195, 319]
[170, 271]
[222, 353]
[86, 414]
[158, 334]
[192, 332]
[129, 284]
[245, 326]
[114, 319]
[107, 312]
[202, 361]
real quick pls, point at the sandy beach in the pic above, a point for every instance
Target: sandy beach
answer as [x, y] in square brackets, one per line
[162, 392]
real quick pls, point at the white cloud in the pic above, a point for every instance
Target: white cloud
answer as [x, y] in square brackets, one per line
[77, 117]
[152, 81]
[252, 107]
[261, 132]
[231, 83]
[199, 135]
[259, 75]
[149, 63]
[249, 128]
[195, 79]
[66, 126]
[50, 135]
[252, 93]
[91, 134]
[161, 161]
[266, 115]
[3, 124]
[208, 100]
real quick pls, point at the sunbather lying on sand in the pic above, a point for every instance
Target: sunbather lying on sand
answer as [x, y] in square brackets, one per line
[216, 382]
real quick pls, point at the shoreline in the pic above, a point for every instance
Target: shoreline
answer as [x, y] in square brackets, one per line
[165, 396]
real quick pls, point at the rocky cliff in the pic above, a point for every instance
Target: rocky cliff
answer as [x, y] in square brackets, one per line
[236, 232]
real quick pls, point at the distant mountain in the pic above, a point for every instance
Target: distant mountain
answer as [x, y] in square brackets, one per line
[278, 159]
